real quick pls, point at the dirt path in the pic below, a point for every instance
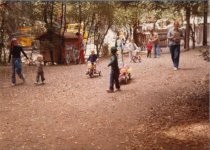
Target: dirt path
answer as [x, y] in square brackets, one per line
[159, 109]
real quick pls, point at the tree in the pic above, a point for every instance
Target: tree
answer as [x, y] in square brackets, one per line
[205, 14]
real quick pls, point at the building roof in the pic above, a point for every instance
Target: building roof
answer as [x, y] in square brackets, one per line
[48, 35]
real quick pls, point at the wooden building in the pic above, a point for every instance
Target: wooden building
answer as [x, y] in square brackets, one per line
[58, 48]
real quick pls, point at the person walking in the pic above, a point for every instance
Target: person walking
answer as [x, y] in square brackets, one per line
[115, 71]
[39, 70]
[15, 55]
[174, 36]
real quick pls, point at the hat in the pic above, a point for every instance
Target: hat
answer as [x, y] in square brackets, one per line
[113, 50]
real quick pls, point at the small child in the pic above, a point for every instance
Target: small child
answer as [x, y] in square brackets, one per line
[39, 71]
[92, 59]
[149, 48]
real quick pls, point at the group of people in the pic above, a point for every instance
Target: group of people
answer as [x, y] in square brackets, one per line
[15, 58]
[174, 36]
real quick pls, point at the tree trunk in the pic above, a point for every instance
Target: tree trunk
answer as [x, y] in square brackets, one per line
[64, 29]
[102, 41]
[80, 17]
[45, 12]
[127, 33]
[61, 32]
[51, 14]
[2, 37]
[61, 23]
[91, 25]
[187, 31]
[51, 38]
[205, 23]
[192, 36]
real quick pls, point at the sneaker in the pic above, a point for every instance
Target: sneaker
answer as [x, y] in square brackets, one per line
[36, 83]
[175, 69]
[13, 84]
[110, 91]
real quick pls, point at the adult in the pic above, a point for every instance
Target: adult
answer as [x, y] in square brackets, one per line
[155, 40]
[15, 55]
[81, 48]
[115, 71]
[119, 46]
[81, 56]
[131, 48]
[174, 37]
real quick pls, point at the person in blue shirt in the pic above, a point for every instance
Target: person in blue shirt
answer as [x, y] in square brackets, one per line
[93, 57]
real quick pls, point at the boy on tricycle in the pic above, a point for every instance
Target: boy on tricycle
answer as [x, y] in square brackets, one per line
[92, 59]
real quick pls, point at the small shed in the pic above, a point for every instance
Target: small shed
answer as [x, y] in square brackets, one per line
[62, 48]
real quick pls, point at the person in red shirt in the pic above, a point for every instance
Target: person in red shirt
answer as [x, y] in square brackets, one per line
[149, 48]
[81, 48]
[81, 56]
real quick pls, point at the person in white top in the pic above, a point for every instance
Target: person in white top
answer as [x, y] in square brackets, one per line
[132, 47]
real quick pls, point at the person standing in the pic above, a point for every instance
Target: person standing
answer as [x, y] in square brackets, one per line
[174, 36]
[149, 48]
[81, 56]
[39, 69]
[15, 55]
[131, 48]
[155, 41]
[115, 71]
[119, 46]
[80, 45]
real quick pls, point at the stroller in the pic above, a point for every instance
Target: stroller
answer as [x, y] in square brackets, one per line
[125, 74]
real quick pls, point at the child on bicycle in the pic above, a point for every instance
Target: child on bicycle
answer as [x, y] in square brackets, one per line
[92, 59]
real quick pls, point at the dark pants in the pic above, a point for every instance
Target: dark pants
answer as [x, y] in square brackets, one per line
[175, 53]
[40, 74]
[114, 80]
[16, 68]
[149, 54]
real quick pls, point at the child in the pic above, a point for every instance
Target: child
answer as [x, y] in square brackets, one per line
[114, 76]
[39, 71]
[149, 48]
[92, 59]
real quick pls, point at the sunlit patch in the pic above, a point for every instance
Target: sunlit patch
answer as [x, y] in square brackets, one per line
[189, 132]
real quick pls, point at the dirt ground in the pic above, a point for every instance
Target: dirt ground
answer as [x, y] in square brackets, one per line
[159, 109]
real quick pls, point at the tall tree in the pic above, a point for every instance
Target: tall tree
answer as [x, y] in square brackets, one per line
[205, 15]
